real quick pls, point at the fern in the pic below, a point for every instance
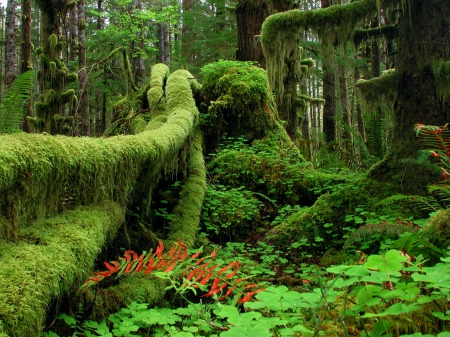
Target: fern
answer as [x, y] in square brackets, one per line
[196, 272]
[375, 128]
[438, 139]
[12, 108]
[391, 229]
[424, 203]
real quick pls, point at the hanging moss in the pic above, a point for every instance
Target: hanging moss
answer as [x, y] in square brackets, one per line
[53, 258]
[441, 72]
[55, 77]
[280, 33]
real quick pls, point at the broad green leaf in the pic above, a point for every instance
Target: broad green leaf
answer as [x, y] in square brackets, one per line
[227, 311]
[235, 332]
[337, 269]
[358, 270]
[305, 332]
[396, 309]
[441, 316]
[255, 305]
[311, 298]
[260, 330]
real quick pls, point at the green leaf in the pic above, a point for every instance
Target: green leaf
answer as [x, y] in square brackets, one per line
[227, 311]
[235, 332]
[255, 305]
[358, 270]
[396, 309]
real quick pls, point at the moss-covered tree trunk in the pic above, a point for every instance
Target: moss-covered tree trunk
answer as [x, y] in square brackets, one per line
[26, 49]
[82, 81]
[423, 40]
[53, 73]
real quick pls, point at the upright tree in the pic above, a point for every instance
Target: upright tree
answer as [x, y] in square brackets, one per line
[420, 80]
[83, 105]
[10, 55]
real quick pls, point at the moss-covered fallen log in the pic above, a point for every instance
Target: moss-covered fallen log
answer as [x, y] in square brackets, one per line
[46, 256]
[42, 175]
[52, 258]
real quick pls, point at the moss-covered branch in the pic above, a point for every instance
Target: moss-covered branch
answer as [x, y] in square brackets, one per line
[361, 35]
[378, 90]
[40, 173]
[280, 33]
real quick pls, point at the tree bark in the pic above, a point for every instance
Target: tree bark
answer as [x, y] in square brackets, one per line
[250, 16]
[25, 64]
[422, 39]
[10, 55]
[73, 33]
[329, 91]
[82, 73]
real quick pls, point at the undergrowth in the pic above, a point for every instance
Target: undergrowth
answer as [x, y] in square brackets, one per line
[388, 294]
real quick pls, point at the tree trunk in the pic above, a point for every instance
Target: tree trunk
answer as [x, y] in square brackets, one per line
[25, 64]
[329, 94]
[82, 73]
[187, 6]
[163, 44]
[73, 33]
[250, 16]
[329, 91]
[346, 135]
[10, 55]
[422, 39]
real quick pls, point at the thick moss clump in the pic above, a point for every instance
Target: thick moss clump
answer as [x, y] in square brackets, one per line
[53, 258]
[50, 115]
[138, 287]
[239, 101]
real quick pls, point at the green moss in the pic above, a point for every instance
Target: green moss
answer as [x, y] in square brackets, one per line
[378, 90]
[184, 226]
[138, 287]
[44, 166]
[241, 100]
[360, 35]
[53, 258]
[155, 95]
[280, 33]
[441, 71]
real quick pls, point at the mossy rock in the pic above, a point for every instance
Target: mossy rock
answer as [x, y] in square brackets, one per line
[324, 223]
[239, 101]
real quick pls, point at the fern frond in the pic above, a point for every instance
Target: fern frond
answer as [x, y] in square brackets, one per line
[12, 108]
[424, 203]
[391, 229]
[416, 245]
[196, 272]
[442, 193]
